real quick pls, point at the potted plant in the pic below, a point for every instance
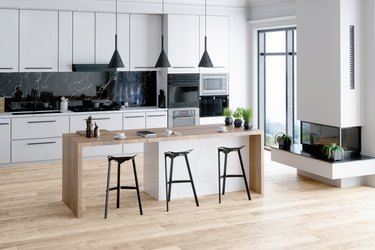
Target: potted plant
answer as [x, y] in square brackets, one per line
[228, 113]
[284, 140]
[238, 117]
[333, 152]
[247, 115]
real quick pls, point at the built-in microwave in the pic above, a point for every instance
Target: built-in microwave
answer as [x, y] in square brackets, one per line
[214, 84]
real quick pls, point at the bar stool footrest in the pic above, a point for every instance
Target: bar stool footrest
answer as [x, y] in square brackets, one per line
[232, 175]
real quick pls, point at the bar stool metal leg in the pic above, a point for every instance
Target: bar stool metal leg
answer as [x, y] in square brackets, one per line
[219, 170]
[170, 181]
[118, 184]
[137, 187]
[225, 171]
[166, 182]
[244, 175]
[107, 190]
[191, 181]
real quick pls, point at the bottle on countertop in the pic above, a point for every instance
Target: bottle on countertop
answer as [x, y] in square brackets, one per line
[89, 127]
[96, 130]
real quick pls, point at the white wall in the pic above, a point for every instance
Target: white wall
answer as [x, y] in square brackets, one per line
[270, 9]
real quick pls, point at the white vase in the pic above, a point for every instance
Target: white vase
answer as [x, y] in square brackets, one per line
[63, 106]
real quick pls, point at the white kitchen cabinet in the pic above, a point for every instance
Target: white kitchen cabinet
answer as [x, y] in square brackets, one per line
[5, 140]
[145, 41]
[9, 40]
[36, 149]
[83, 38]
[217, 42]
[104, 121]
[157, 119]
[323, 66]
[105, 38]
[65, 41]
[38, 41]
[134, 120]
[39, 127]
[182, 42]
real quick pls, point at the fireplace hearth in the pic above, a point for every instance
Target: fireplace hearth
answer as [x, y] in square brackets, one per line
[315, 136]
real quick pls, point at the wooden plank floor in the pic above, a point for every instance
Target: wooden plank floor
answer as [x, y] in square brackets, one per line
[295, 213]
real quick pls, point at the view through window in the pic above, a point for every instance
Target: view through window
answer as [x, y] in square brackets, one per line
[277, 83]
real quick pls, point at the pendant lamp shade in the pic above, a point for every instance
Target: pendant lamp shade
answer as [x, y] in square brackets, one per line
[162, 61]
[116, 61]
[205, 61]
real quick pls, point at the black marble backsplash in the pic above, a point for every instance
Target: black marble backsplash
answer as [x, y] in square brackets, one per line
[81, 88]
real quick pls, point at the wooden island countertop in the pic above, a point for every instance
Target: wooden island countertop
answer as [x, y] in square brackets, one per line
[74, 142]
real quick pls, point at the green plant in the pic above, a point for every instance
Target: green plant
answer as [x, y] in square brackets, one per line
[247, 114]
[228, 112]
[238, 113]
[280, 136]
[331, 149]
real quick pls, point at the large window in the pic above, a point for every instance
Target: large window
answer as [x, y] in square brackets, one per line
[277, 83]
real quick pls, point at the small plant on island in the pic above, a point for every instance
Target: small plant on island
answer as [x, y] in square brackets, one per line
[333, 152]
[237, 114]
[247, 116]
[228, 113]
[284, 140]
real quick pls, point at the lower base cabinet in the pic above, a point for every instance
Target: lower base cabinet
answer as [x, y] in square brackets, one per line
[4, 141]
[36, 150]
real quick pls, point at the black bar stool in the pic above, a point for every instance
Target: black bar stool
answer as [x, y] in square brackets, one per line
[226, 151]
[169, 182]
[120, 160]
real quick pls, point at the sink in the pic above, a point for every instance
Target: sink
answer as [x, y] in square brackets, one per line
[36, 112]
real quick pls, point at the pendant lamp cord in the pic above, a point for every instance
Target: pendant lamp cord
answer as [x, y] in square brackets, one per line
[116, 17]
[205, 17]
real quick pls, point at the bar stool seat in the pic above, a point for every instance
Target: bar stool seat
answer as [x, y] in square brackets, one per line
[118, 187]
[226, 151]
[168, 183]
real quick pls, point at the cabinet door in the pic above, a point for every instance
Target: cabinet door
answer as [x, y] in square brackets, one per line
[156, 119]
[183, 43]
[135, 120]
[36, 150]
[105, 38]
[5, 140]
[217, 42]
[9, 40]
[104, 121]
[38, 41]
[145, 41]
[83, 37]
[65, 41]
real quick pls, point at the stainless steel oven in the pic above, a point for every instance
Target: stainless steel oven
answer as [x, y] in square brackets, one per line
[183, 90]
[183, 117]
[210, 106]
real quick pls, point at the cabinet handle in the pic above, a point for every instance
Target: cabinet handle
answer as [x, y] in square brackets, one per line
[156, 115]
[40, 143]
[6, 68]
[147, 67]
[183, 118]
[182, 67]
[4, 123]
[104, 118]
[219, 67]
[139, 116]
[38, 67]
[42, 121]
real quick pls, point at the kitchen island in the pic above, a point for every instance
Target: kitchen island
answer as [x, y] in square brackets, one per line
[204, 141]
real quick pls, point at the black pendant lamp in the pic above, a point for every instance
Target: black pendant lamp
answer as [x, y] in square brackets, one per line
[163, 61]
[116, 61]
[205, 61]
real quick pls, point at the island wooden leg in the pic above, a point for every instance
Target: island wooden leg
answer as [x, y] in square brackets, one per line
[72, 176]
[256, 163]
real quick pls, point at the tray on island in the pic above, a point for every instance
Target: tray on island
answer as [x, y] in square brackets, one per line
[83, 132]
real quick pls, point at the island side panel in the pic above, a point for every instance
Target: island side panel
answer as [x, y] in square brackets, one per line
[72, 175]
[256, 166]
[152, 169]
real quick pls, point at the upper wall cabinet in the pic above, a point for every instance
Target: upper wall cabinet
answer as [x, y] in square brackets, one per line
[182, 42]
[329, 58]
[145, 41]
[65, 41]
[217, 42]
[9, 40]
[105, 38]
[83, 37]
[38, 41]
